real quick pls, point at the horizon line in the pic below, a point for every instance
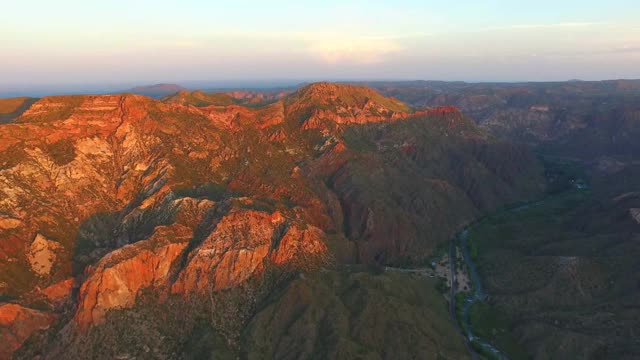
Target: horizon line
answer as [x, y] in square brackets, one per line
[103, 88]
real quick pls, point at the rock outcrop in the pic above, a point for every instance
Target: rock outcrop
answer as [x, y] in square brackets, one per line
[107, 200]
[120, 276]
[42, 255]
[17, 323]
[59, 293]
[238, 247]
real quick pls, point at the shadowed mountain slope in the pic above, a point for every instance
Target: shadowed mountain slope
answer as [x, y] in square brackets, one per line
[111, 202]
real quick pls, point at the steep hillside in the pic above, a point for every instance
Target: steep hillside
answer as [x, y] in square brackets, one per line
[111, 203]
[572, 119]
[351, 315]
[11, 109]
[563, 272]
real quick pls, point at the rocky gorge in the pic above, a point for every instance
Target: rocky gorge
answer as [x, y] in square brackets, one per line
[111, 203]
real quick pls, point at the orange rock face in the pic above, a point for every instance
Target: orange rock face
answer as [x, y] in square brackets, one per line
[123, 195]
[17, 323]
[233, 252]
[301, 248]
[59, 292]
[230, 254]
[120, 276]
[240, 244]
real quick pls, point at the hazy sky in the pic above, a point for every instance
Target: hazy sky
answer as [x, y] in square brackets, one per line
[140, 41]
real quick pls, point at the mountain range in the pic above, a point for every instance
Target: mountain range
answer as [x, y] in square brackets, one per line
[259, 224]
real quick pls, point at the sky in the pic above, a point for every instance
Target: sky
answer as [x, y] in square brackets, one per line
[52, 43]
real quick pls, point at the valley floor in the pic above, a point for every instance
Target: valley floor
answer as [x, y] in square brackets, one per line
[561, 274]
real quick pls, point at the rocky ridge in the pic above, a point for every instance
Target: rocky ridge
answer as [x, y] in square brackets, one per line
[105, 199]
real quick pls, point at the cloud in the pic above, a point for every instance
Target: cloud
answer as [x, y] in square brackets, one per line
[563, 25]
[334, 49]
[626, 49]
[593, 52]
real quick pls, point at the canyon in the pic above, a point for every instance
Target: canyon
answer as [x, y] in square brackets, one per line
[245, 223]
[116, 205]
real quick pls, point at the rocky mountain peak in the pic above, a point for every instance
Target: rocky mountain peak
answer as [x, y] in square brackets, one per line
[125, 198]
[332, 94]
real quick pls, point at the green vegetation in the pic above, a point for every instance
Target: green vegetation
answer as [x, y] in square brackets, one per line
[461, 298]
[495, 327]
[347, 315]
[264, 205]
[20, 277]
[12, 156]
[209, 190]
[473, 248]
[61, 152]
[488, 323]
[442, 286]
[105, 232]
[480, 350]
[556, 267]
[389, 157]
[343, 314]
[562, 174]
[205, 342]
[95, 232]
[357, 142]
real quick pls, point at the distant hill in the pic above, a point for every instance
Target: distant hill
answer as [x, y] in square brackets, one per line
[11, 108]
[156, 91]
[583, 119]
[201, 98]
